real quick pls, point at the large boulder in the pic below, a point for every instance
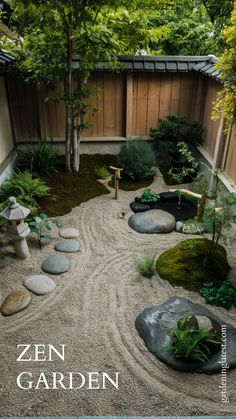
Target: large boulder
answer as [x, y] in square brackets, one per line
[153, 326]
[153, 221]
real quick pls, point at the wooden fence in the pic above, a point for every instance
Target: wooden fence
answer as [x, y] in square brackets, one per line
[131, 103]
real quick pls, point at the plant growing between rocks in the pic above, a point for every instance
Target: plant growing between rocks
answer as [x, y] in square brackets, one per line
[148, 196]
[178, 174]
[191, 344]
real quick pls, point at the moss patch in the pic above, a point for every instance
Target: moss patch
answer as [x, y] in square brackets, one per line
[68, 190]
[132, 185]
[186, 264]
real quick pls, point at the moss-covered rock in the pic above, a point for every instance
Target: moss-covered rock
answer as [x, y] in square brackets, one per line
[186, 264]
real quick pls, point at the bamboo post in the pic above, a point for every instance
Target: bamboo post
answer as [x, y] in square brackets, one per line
[201, 207]
[117, 173]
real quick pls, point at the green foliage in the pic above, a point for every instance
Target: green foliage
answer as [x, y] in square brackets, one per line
[39, 158]
[25, 188]
[180, 173]
[177, 128]
[41, 225]
[226, 99]
[187, 264]
[148, 196]
[146, 266]
[136, 157]
[220, 295]
[102, 172]
[200, 184]
[191, 344]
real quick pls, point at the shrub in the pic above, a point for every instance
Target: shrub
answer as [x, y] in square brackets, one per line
[25, 188]
[220, 295]
[136, 157]
[189, 165]
[148, 196]
[102, 172]
[191, 344]
[39, 158]
[176, 128]
[146, 266]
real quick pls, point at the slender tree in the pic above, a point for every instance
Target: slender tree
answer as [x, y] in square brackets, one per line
[95, 31]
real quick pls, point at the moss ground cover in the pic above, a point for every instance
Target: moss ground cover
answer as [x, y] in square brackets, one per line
[186, 264]
[70, 190]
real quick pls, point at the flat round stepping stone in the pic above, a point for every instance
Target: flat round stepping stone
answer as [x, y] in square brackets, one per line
[152, 221]
[68, 246]
[15, 302]
[69, 233]
[56, 264]
[39, 284]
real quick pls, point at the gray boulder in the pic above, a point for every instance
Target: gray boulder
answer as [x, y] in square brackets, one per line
[153, 326]
[153, 221]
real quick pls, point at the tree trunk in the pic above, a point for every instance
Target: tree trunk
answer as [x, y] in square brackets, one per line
[68, 141]
[75, 154]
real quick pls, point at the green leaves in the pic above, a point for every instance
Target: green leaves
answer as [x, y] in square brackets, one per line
[41, 225]
[190, 343]
[148, 196]
[221, 295]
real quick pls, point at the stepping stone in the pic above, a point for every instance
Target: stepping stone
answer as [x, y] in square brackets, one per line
[56, 264]
[39, 284]
[15, 302]
[68, 246]
[69, 233]
[152, 221]
[153, 326]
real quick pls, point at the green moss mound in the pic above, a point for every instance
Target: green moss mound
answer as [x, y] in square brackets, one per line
[186, 264]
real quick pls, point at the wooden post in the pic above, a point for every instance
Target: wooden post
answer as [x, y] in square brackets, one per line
[129, 105]
[117, 173]
[217, 151]
[201, 207]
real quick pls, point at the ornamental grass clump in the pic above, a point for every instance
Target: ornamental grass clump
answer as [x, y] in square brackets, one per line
[146, 266]
[102, 172]
[39, 158]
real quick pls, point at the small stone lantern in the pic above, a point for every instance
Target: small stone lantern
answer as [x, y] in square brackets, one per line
[17, 228]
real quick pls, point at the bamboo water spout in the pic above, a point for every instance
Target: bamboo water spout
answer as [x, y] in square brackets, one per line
[202, 200]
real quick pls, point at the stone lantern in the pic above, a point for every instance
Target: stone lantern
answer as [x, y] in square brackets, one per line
[17, 228]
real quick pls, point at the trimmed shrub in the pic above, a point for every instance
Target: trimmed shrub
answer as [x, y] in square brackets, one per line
[136, 157]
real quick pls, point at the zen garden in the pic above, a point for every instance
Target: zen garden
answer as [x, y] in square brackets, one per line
[118, 207]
